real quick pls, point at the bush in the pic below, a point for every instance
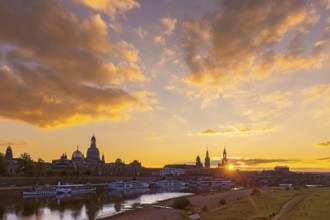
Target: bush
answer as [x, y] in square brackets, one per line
[255, 192]
[204, 208]
[222, 202]
[181, 203]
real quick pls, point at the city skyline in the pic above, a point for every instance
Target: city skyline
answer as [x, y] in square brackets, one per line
[163, 81]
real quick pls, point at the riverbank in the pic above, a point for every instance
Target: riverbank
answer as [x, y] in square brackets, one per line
[24, 183]
[163, 210]
[240, 204]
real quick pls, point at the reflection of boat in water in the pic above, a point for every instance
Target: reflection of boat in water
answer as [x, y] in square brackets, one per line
[59, 189]
[74, 188]
[169, 183]
[125, 194]
[41, 190]
[121, 185]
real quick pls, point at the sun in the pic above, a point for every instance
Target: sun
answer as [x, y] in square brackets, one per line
[231, 167]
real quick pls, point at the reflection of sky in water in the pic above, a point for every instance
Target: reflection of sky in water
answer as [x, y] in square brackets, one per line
[109, 209]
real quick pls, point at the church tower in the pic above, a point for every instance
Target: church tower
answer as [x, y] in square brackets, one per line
[9, 153]
[93, 154]
[207, 159]
[198, 162]
[224, 157]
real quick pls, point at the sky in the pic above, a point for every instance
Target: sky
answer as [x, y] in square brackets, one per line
[162, 81]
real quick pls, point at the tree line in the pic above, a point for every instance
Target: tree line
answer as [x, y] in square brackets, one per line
[26, 165]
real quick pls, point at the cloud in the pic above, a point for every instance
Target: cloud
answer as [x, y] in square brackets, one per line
[324, 144]
[169, 24]
[250, 162]
[316, 92]
[13, 143]
[160, 40]
[66, 71]
[324, 158]
[277, 99]
[112, 7]
[238, 129]
[115, 26]
[167, 55]
[239, 41]
[258, 161]
[141, 33]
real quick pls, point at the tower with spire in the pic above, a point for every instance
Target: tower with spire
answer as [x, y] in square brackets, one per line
[207, 159]
[224, 157]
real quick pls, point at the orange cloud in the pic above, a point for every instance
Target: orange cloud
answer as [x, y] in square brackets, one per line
[66, 71]
[111, 8]
[239, 41]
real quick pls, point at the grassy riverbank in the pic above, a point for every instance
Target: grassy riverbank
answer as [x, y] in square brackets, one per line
[299, 204]
[306, 204]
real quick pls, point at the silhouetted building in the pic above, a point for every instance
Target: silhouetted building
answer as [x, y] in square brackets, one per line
[12, 163]
[93, 154]
[198, 162]
[62, 163]
[9, 153]
[282, 169]
[224, 160]
[77, 156]
[173, 170]
[207, 159]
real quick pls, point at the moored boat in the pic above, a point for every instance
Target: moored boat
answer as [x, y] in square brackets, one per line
[170, 183]
[41, 190]
[74, 188]
[121, 185]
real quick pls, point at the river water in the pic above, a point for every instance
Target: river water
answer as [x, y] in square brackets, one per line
[102, 203]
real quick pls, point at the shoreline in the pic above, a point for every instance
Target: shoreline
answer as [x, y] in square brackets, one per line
[163, 209]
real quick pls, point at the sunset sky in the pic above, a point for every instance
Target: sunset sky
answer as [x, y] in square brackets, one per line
[159, 81]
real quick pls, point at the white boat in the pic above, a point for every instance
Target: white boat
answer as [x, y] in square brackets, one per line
[41, 190]
[170, 183]
[121, 185]
[139, 185]
[74, 188]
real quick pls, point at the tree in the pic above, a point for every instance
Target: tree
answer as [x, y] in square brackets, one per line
[41, 166]
[3, 164]
[27, 165]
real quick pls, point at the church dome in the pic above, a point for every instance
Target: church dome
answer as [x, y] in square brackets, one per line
[77, 155]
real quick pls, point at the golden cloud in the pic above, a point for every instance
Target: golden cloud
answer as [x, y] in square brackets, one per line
[159, 40]
[240, 40]
[169, 24]
[112, 7]
[237, 129]
[324, 144]
[13, 143]
[66, 71]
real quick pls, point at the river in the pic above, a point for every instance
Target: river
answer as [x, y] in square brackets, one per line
[102, 203]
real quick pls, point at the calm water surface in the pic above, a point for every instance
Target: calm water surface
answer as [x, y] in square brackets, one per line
[101, 204]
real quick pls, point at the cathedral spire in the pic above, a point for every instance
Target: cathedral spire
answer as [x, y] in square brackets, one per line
[207, 158]
[224, 157]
